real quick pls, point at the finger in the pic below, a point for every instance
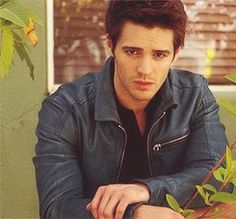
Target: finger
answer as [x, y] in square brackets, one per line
[103, 203]
[121, 207]
[109, 210]
[96, 200]
[88, 206]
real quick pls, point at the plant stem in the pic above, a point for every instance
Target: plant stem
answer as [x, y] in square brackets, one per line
[210, 175]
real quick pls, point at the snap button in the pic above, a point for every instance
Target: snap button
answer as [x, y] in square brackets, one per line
[157, 147]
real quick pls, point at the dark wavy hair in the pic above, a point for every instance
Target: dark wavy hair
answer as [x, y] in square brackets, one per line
[168, 14]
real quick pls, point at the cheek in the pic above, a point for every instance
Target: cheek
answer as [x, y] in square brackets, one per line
[163, 68]
[126, 69]
[161, 73]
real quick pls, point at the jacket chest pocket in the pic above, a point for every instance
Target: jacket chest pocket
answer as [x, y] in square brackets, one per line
[168, 156]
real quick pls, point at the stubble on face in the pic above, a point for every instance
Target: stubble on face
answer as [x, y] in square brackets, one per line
[142, 60]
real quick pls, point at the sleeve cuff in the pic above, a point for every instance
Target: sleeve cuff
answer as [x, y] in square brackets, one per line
[131, 208]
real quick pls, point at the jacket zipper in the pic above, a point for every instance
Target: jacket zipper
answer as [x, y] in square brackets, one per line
[123, 153]
[157, 147]
[148, 152]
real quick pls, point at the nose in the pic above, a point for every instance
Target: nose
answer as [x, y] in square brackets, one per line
[144, 66]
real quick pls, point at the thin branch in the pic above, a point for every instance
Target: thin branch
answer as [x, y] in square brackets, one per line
[210, 174]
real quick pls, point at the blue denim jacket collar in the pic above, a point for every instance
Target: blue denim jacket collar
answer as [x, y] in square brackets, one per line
[105, 106]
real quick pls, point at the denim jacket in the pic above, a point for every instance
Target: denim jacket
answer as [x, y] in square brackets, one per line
[81, 142]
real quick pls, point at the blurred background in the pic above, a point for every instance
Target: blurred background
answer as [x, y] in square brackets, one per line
[210, 46]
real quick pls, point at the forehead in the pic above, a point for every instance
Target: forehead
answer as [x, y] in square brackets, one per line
[141, 36]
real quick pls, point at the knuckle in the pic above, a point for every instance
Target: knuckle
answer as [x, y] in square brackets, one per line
[109, 188]
[93, 207]
[125, 198]
[120, 211]
[101, 188]
[100, 212]
[107, 214]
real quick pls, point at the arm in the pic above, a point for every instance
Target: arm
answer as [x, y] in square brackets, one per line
[58, 175]
[57, 163]
[155, 212]
[205, 147]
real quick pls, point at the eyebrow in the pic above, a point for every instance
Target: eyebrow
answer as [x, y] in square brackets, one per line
[140, 49]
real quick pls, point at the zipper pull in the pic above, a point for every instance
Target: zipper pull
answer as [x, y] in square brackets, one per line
[157, 147]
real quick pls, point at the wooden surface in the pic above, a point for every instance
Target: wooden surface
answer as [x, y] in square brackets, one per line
[228, 211]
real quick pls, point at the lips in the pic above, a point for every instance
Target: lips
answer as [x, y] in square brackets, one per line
[143, 85]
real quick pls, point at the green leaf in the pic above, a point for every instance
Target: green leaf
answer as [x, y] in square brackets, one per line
[15, 13]
[228, 158]
[209, 187]
[23, 54]
[187, 212]
[201, 191]
[172, 202]
[228, 105]
[21, 38]
[231, 77]
[233, 181]
[205, 195]
[35, 17]
[2, 2]
[232, 173]
[207, 199]
[223, 197]
[219, 173]
[6, 53]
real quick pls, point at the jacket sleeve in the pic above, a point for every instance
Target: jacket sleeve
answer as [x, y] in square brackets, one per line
[58, 173]
[206, 145]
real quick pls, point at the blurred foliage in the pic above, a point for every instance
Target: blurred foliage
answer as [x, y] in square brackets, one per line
[231, 107]
[211, 196]
[17, 32]
[225, 175]
[64, 5]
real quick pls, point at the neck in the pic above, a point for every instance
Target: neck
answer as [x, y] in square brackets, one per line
[141, 120]
[136, 106]
[128, 102]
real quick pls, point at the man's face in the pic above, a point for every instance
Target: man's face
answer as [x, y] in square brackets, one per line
[142, 60]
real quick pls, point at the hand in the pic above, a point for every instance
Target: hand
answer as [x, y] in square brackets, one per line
[155, 212]
[112, 200]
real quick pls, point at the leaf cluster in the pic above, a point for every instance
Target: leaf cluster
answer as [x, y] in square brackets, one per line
[14, 23]
[176, 207]
[225, 175]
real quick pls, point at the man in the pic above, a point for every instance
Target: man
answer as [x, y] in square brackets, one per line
[114, 143]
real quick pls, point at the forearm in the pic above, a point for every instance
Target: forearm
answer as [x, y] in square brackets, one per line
[155, 212]
[71, 207]
[181, 185]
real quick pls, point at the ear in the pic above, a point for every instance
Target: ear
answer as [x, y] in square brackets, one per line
[109, 46]
[177, 52]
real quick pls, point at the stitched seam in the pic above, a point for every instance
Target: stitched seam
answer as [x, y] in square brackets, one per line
[206, 131]
[60, 171]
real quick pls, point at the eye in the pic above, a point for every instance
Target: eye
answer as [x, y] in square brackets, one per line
[159, 55]
[131, 52]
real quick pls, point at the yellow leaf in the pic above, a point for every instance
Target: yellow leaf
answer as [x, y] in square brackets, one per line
[208, 72]
[211, 54]
[30, 32]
